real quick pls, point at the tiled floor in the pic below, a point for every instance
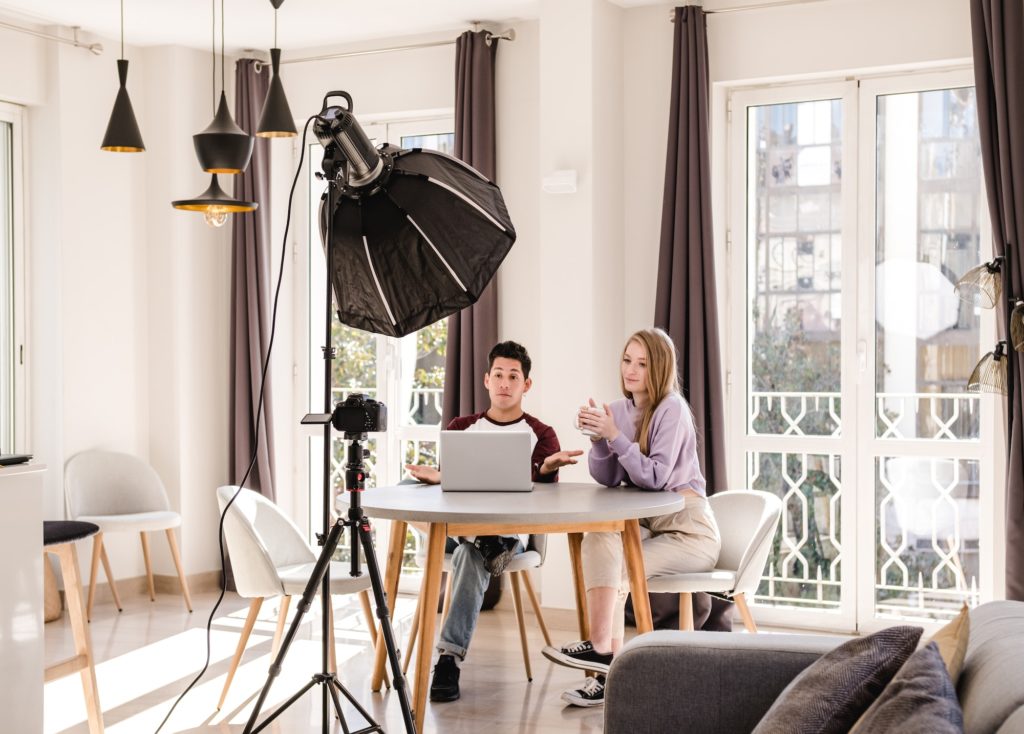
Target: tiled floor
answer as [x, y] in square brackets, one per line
[148, 654]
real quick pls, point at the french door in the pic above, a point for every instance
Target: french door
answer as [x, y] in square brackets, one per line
[854, 207]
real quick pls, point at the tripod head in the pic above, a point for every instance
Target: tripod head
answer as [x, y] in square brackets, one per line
[355, 469]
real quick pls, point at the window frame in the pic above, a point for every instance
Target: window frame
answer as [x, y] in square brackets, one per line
[19, 419]
[858, 249]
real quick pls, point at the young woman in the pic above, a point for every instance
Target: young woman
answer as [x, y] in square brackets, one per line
[646, 440]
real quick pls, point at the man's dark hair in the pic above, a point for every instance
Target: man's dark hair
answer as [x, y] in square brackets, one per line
[510, 350]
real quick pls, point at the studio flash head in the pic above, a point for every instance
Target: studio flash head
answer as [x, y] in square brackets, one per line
[359, 414]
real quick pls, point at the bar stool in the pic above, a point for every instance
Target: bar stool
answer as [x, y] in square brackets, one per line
[59, 538]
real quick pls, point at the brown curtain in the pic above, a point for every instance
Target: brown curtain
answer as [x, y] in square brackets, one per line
[997, 28]
[251, 293]
[685, 304]
[474, 330]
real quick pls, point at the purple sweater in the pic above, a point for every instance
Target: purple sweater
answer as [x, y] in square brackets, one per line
[672, 461]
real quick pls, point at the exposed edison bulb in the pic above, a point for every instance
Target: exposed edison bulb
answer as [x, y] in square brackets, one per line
[216, 216]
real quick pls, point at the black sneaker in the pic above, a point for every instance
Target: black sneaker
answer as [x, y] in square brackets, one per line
[591, 693]
[445, 684]
[497, 552]
[579, 655]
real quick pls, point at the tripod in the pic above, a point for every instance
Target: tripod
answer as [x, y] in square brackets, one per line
[359, 527]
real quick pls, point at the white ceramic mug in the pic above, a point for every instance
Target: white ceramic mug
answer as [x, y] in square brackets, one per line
[589, 409]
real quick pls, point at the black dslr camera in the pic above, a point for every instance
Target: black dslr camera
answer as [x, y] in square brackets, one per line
[358, 414]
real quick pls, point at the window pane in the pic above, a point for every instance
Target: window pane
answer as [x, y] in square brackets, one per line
[926, 560]
[423, 356]
[444, 142]
[6, 289]
[928, 213]
[794, 295]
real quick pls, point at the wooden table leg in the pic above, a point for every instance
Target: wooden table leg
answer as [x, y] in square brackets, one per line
[576, 555]
[429, 593]
[396, 546]
[634, 554]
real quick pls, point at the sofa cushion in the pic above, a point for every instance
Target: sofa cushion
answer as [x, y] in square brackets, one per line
[831, 694]
[921, 699]
[990, 687]
[952, 641]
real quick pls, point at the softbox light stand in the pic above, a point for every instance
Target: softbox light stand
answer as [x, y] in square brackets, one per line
[359, 534]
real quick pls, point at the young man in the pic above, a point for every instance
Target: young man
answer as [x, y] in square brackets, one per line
[475, 560]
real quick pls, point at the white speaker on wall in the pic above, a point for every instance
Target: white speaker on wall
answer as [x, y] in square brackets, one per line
[560, 182]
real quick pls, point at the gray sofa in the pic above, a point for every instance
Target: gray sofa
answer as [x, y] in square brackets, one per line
[723, 683]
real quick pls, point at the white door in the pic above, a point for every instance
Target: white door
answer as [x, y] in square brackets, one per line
[854, 208]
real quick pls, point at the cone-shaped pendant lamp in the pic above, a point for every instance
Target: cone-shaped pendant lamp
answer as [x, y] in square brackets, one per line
[223, 147]
[981, 285]
[276, 120]
[122, 134]
[215, 204]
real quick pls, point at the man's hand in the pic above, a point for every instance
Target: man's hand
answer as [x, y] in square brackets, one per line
[425, 474]
[556, 461]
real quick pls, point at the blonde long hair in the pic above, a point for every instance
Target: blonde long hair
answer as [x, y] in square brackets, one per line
[662, 378]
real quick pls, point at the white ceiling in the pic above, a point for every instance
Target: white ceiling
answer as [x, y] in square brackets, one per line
[250, 23]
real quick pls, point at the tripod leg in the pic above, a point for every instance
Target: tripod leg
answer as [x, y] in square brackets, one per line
[387, 634]
[337, 705]
[323, 563]
[395, 547]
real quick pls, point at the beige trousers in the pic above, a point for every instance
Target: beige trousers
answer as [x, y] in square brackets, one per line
[684, 542]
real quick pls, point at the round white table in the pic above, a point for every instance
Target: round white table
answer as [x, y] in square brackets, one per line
[550, 508]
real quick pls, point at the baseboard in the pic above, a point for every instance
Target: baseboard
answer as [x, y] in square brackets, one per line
[163, 584]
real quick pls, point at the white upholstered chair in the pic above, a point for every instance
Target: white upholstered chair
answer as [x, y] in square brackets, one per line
[747, 520]
[269, 558]
[121, 494]
[518, 570]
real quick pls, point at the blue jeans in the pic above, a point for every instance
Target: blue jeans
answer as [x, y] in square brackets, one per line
[469, 582]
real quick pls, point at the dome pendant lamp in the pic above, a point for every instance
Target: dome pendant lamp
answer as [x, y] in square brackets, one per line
[222, 147]
[276, 120]
[122, 134]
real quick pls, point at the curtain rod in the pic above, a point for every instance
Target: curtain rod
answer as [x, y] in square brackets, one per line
[509, 35]
[759, 6]
[95, 48]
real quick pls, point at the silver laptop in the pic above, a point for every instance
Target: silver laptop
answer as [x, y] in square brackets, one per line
[486, 461]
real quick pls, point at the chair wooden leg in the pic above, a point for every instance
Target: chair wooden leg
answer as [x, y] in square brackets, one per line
[173, 542]
[250, 622]
[282, 620]
[83, 645]
[412, 635]
[364, 598]
[517, 602]
[447, 596]
[149, 565]
[332, 656]
[748, 618]
[94, 569]
[686, 611]
[536, 606]
[110, 576]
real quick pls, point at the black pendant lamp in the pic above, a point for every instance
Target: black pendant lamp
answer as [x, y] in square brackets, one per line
[215, 204]
[276, 120]
[222, 147]
[122, 134]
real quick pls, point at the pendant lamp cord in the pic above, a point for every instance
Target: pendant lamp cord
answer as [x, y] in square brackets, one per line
[275, 26]
[122, 29]
[213, 53]
[223, 59]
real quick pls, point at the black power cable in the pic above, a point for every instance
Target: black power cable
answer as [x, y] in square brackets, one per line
[256, 437]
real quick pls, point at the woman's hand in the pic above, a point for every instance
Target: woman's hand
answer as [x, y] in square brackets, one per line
[425, 474]
[556, 461]
[602, 424]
